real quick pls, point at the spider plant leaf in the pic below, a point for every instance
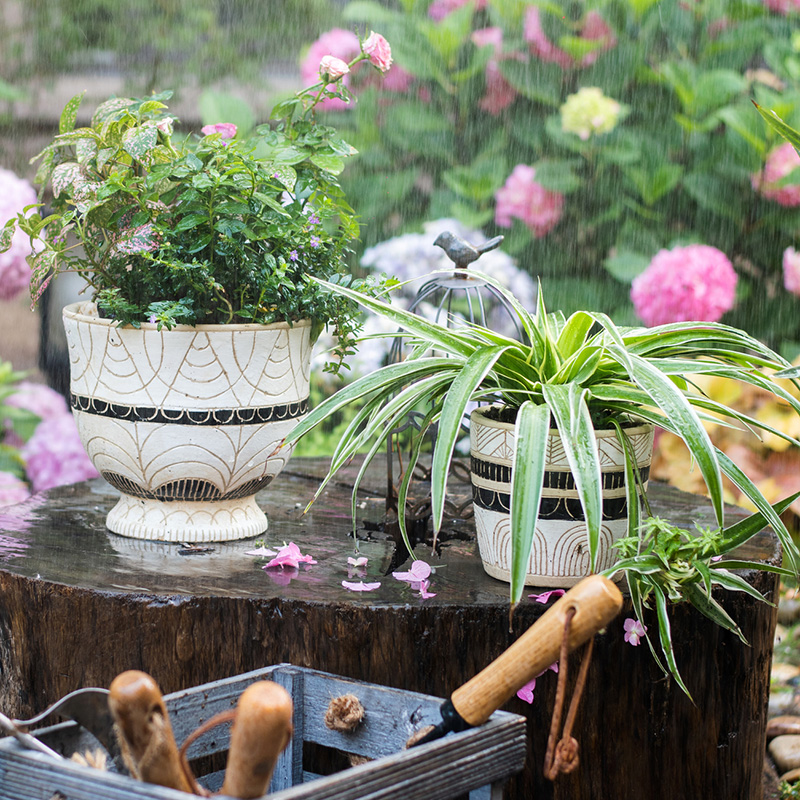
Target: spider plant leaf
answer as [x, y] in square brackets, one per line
[735, 563]
[776, 123]
[710, 608]
[631, 479]
[705, 574]
[467, 380]
[743, 530]
[665, 635]
[573, 335]
[750, 490]
[735, 583]
[527, 479]
[568, 405]
[641, 565]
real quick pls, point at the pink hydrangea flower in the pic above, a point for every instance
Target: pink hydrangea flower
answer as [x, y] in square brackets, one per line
[54, 455]
[12, 489]
[634, 631]
[500, 93]
[780, 162]
[696, 283]
[360, 586]
[791, 270]
[379, 51]
[337, 42]
[227, 130]
[332, 68]
[39, 399]
[544, 597]
[289, 556]
[15, 274]
[521, 197]
[593, 28]
[439, 9]
[782, 6]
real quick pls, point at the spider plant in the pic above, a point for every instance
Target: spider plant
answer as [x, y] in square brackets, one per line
[574, 372]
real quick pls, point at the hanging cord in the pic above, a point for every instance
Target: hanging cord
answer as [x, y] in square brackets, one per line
[562, 756]
[217, 719]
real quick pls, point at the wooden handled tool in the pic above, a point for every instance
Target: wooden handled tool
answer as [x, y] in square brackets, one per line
[595, 600]
[261, 730]
[146, 738]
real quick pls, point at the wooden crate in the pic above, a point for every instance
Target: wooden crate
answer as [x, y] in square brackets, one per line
[476, 761]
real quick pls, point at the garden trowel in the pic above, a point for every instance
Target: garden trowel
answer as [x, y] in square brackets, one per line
[595, 600]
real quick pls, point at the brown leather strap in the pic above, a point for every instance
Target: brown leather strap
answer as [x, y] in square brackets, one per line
[562, 754]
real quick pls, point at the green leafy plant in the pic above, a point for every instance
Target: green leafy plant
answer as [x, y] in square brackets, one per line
[579, 373]
[665, 564]
[213, 229]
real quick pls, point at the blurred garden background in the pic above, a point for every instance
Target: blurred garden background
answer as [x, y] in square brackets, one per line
[614, 143]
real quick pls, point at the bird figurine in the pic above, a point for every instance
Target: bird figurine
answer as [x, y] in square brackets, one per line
[461, 252]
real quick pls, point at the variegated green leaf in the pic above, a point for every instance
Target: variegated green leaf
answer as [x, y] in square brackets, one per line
[70, 114]
[138, 142]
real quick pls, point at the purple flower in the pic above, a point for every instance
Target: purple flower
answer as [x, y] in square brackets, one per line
[293, 256]
[314, 219]
[315, 241]
[634, 630]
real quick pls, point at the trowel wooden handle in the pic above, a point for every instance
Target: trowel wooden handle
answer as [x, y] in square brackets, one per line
[146, 738]
[596, 601]
[261, 730]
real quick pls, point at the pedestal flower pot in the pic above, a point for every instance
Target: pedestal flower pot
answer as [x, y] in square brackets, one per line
[186, 423]
[560, 552]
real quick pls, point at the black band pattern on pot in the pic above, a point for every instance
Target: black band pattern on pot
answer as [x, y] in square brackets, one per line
[553, 479]
[549, 507]
[182, 416]
[191, 490]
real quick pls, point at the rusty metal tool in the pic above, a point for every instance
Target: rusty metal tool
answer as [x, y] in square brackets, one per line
[595, 600]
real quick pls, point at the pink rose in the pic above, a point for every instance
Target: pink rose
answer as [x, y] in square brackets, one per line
[337, 42]
[791, 270]
[378, 50]
[227, 130]
[593, 28]
[331, 69]
[780, 162]
[692, 283]
[521, 197]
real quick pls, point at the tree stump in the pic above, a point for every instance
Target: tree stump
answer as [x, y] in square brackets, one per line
[78, 605]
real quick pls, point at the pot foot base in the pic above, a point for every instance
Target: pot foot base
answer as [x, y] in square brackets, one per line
[183, 521]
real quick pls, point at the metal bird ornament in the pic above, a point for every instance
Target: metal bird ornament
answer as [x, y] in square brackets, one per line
[461, 252]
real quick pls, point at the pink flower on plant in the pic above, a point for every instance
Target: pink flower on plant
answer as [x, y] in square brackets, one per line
[521, 197]
[15, 274]
[780, 162]
[544, 597]
[54, 455]
[226, 130]
[331, 69]
[782, 6]
[12, 489]
[337, 42]
[593, 28]
[379, 51]
[634, 631]
[360, 586]
[439, 9]
[39, 399]
[499, 92]
[791, 270]
[289, 556]
[696, 283]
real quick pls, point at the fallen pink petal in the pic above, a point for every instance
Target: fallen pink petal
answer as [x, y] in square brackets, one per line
[420, 571]
[262, 552]
[289, 556]
[526, 692]
[361, 561]
[423, 587]
[360, 586]
[544, 597]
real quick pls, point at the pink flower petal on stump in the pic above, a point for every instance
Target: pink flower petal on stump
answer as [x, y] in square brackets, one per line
[544, 597]
[360, 586]
[420, 571]
[264, 552]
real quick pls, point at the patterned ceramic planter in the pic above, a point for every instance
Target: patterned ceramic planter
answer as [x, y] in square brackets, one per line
[560, 555]
[186, 423]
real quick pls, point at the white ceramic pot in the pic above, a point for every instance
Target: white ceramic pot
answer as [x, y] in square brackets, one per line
[560, 554]
[186, 423]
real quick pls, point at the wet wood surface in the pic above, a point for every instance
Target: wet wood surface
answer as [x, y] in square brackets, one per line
[79, 604]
